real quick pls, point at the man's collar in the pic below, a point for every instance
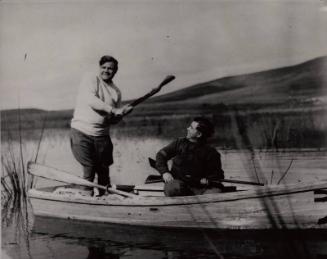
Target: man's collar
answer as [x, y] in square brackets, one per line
[110, 83]
[199, 142]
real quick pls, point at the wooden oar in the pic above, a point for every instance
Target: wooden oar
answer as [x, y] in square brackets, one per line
[168, 79]
[158, 178]
[58, 175]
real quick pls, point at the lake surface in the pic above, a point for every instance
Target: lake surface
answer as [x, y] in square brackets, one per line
[24, 236]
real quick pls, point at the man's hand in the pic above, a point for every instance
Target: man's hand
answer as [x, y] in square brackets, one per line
[204, 181]
[120, 112]
[167, 177]
[127, 109]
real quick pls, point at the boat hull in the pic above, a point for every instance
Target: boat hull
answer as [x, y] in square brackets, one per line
[254, 209]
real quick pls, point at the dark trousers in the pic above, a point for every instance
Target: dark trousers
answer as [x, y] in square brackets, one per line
[179, 188]
[94, 154]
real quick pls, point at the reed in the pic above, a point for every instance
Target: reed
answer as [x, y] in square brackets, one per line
[15, 182]
[13, 178]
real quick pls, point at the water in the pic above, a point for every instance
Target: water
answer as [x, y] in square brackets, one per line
[62, 238]
[53, 238]
[24, 236]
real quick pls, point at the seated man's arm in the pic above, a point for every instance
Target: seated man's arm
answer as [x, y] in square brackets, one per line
[214, 169]
[162, 158]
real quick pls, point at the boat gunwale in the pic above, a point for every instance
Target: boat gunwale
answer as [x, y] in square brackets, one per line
[259, 192]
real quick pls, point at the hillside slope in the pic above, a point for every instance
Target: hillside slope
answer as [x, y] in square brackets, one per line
[296, 83]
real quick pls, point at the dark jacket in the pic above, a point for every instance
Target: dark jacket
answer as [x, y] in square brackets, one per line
[191, 161]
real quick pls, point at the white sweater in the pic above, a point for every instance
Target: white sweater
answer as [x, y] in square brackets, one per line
[93, 95]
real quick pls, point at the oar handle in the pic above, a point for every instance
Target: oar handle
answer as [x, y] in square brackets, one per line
[168, 79]
[126, 194]
[215, 182]
[157, 179]
[238, 182]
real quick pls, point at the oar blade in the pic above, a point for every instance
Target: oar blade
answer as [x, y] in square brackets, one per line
[167, 80]
[58, 175]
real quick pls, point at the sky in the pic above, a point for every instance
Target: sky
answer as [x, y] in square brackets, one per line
[47, 46]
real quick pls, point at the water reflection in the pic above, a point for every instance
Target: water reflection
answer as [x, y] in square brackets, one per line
[100, 252]
[120, 241]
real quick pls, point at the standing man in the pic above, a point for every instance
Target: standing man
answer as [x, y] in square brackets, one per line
[194, 162]
[98, 103]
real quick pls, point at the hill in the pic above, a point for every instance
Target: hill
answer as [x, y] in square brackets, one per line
[287, 87]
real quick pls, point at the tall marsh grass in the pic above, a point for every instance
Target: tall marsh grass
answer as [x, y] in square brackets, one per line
[14, 156]
[14, 187]
[15, 182]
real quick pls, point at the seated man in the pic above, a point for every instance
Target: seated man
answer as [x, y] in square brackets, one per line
[195, 163]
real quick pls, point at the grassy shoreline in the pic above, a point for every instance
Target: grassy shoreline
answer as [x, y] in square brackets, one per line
[306, 128]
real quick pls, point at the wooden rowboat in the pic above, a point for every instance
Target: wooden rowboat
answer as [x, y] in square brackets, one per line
[292, 206]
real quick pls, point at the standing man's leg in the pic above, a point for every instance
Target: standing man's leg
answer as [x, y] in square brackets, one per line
[83, 150]
[103, 177]
[104, 150]
[89, 174]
